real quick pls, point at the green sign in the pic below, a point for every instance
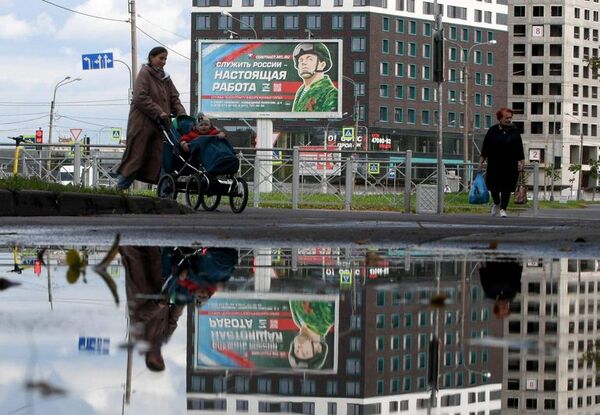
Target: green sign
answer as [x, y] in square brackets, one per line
[373, 168]
[116, 134]
[347, 133]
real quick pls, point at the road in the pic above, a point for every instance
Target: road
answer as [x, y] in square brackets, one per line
[574, 233]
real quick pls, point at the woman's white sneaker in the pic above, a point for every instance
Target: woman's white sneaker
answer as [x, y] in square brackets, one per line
[503, 213]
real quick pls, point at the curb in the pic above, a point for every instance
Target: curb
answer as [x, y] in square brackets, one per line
[45, 203]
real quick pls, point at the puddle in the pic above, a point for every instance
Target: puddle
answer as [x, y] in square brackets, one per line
[309, 330]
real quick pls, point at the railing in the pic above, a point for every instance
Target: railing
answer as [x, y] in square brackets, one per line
[296, 178]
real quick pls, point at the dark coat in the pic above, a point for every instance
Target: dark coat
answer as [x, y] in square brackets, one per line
[153, 321]
[501, 280]
[503, 148]
[152, 95]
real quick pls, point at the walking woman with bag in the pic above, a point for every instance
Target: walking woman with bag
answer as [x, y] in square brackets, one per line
[155, 99]
[503, 150]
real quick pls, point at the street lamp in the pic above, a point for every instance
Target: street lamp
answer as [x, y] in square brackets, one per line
[580, 153]
[65, 81]
[465, 71]
[226, 13]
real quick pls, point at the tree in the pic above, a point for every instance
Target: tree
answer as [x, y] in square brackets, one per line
[593, 63]
[574, 168]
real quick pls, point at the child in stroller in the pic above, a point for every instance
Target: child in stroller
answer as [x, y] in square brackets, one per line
[203, 127]
[199, 160]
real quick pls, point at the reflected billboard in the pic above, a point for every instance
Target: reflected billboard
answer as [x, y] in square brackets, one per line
[267, 332]
[270, 78]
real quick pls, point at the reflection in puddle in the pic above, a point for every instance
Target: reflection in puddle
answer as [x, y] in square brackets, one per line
[303, 330]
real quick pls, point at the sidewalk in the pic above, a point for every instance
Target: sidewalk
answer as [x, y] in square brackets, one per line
[590, 212]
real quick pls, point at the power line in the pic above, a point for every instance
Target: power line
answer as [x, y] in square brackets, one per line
[82, 121]
[162, 28]
[85, 14]
[22, 121]
[162, 44]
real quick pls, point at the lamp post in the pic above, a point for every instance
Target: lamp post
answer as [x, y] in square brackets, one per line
[580, 154]
[226, 13]
[66, 80]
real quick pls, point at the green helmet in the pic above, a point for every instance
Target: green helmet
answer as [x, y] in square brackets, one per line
[318, 49]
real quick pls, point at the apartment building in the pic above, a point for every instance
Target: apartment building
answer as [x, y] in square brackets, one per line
[387, 59]
[556, 318]
[551, 88]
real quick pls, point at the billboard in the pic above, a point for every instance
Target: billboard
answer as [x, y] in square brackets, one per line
[267, 332]
[270, 78]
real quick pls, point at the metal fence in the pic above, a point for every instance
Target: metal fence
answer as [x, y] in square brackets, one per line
[296, 178]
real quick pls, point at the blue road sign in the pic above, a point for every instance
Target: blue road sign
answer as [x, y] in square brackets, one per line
[101, 60]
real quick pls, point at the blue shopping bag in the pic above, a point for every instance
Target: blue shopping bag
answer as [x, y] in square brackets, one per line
[479, 194]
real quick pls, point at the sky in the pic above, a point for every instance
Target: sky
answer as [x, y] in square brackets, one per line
[39, 344]
[43, 43]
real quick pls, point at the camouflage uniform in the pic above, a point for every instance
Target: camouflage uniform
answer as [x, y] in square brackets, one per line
[322, 96]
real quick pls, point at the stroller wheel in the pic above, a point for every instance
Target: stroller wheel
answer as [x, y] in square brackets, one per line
[238, 197]
[210, 202]
[194, 190]
[167, 187]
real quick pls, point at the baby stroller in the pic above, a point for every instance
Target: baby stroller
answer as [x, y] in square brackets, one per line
[205, 174]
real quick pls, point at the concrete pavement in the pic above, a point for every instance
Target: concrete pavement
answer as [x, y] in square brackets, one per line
[574, 233]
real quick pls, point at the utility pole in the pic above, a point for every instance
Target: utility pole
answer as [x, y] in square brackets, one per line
[438, 77]
[134, 65]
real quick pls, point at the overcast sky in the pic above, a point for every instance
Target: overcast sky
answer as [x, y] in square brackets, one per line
[43, 43]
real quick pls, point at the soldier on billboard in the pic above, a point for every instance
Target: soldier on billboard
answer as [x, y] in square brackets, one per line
[317, 94]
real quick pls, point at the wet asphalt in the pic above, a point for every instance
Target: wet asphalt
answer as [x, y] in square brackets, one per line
[562, 232]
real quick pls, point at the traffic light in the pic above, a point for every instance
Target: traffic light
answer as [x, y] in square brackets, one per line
[39, 136]
[438, 55]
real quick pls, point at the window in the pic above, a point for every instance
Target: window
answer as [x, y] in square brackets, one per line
[291, 21]
[398, 115]
[385, 24]
[384, 68]
[359, 21]
[359, 44]
[269, 22]
[286, 386]
[519, 11]
[412, 27]
[203, 22]
[399, 69]
[360, 67]
[538, 11]
[385, 46]
[337, 21]
[425, 117]
[400, 25]
[247, 22]
[313, 21]
[556, 11]
[224, 22]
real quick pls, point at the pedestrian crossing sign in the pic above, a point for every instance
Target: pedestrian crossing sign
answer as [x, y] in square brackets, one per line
[348, 133]
[116, 134]
[345, 277]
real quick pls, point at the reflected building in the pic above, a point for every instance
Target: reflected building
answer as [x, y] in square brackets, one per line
[557, 317]
[387, 318]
